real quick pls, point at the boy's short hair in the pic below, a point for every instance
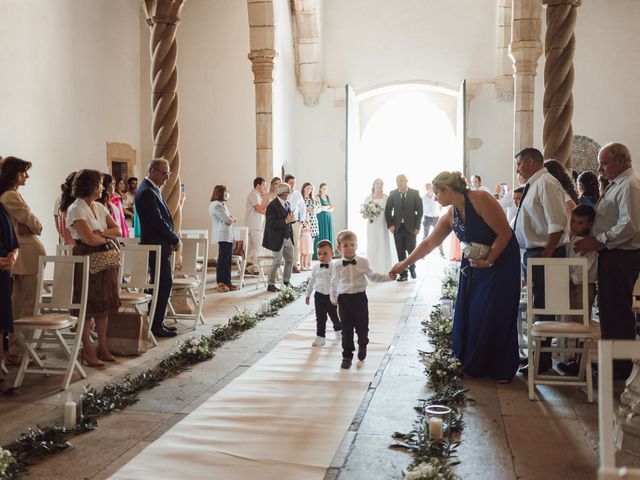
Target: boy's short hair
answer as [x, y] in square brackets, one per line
[346, 235]
[323, 244]
[584, 211]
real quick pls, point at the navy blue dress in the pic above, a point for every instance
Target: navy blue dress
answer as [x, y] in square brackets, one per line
[485, 335]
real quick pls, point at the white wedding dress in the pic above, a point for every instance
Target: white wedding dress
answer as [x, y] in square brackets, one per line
[380, 250]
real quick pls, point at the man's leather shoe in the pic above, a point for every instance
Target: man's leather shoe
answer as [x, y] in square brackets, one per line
[272, 288]
[412, 273]
[171, 328]
[541, 370]
[402, 279]
[163, 332]
[346, 363]
[362, 352]
[288, 285]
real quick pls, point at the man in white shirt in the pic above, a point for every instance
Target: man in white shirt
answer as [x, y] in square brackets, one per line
[430, 213]
[299, 211]
[616, 235]
[540, 226]
[254, 219]
[476, 184]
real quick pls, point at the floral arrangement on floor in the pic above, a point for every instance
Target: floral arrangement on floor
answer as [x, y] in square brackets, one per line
[434, 459]
[370, 210]
[40, 442]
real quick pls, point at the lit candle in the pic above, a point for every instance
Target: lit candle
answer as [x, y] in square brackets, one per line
[70, 415]
[435, 428]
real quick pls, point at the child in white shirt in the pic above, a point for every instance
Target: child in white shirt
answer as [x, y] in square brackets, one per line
[320, 280]
[348, 291]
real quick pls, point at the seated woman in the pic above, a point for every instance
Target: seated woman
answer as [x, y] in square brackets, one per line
[222, 222]
[485, 336]
[93, 230]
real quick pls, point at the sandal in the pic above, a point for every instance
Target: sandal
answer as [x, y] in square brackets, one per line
[6, 390]
[222, 288]
[231, 287]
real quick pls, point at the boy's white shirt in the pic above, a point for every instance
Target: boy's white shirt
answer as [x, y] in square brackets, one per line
[320, 280]
[353, 278]
[592, 263]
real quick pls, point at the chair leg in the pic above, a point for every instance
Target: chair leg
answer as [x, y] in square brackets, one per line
[532, 369]
[587, 355]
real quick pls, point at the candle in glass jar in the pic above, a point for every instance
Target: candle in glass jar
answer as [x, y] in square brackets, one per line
[70, 415]
[435, 428]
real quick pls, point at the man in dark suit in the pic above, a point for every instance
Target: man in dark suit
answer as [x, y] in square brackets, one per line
[278, 235]
[403, 214]
[156, 228]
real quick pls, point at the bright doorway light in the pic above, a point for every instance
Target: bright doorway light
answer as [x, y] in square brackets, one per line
[409, 135]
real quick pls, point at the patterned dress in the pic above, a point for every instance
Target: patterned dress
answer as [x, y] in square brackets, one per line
[312, 217]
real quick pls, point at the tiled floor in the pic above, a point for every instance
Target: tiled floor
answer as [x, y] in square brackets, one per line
[506, 436]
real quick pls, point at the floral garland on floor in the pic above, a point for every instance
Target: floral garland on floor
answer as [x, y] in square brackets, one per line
[433, 459]
[40, 442]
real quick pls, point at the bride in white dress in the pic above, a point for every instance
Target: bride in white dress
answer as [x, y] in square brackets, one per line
[380, 252]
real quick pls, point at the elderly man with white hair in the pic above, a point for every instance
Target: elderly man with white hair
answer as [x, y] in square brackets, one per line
[616, 235]
[278, 235]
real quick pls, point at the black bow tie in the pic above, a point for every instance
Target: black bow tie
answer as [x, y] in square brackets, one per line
[324, 265]
[348, 262]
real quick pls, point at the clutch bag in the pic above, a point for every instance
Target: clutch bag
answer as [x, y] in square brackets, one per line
[475, 251]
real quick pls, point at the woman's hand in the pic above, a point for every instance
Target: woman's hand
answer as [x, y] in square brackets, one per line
[397, 269]
[478, 263]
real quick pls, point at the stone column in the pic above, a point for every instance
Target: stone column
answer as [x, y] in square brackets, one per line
[524, 50]
[628, 422]
[306, 33]
[557, 133]
[262, 56]
[504, 75]
[163, 17]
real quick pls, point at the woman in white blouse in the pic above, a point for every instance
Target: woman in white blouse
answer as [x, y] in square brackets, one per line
[222, 222]
[92, 228]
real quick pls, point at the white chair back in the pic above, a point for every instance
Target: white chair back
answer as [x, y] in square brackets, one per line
[193, 249]
[608, 351]
[192, 233]
[64, 250]
[128, 240]
[134, 266]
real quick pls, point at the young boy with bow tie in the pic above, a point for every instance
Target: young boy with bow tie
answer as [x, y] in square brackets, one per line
[348, 292]
[320, 280]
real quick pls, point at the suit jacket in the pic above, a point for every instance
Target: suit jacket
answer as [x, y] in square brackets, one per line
[30, 246]
[156, 225]
[411, 213]
[276, 229]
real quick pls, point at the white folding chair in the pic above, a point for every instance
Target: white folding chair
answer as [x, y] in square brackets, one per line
[134, 281]
[189, 279]
[265, 261]
[636, 304]
[610, 350]
[557, 302]
[53, 320]
[195, 233]
[128, 240]
[241, 234]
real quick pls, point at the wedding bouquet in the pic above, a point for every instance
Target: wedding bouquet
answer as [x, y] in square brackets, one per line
[370, 210]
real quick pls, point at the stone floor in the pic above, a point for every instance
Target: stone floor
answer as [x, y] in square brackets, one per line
[506, 436]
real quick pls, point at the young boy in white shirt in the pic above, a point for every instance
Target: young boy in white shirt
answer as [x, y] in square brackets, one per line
[348, 291]
[320, 280]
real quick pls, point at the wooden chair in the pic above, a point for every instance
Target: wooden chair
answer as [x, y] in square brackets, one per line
[241, 234]
[53, 319]
[189, 279]
[557, 281]
[608, 351]
[134, 281]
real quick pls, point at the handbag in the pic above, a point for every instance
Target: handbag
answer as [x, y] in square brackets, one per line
[475, 251]
[106, 258]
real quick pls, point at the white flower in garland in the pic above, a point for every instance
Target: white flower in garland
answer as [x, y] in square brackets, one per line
[6, 461]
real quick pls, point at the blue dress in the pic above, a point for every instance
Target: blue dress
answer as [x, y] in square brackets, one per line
[485, 335]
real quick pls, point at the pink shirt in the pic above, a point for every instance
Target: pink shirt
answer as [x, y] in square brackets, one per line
[118, 215]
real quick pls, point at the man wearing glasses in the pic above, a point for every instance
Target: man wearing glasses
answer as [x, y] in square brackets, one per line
[278, 235]
[156, 228]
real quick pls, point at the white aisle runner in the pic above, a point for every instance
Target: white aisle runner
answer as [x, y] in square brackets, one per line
[285, 417]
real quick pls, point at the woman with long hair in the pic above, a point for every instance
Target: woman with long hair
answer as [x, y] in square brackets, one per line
[14, 174]
[222, 222]
[66, 199]
[94, 230]
[380, 251]
[485, 335]
[113, 202]
[588, 188]
[558, 171]
[310, 224]
[325, 218]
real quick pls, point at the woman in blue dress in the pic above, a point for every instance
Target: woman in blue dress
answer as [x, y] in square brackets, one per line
[485, 337]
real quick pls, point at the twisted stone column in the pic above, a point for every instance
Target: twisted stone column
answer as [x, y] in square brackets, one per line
[163, 17]
[557, 133]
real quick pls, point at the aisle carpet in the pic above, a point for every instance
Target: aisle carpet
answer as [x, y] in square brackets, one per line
[285, 417]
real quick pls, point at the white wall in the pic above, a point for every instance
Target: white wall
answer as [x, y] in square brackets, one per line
[70, 83]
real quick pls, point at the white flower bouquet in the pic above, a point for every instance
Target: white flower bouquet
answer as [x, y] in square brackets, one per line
[370, 210]
[441, 366]
[7, 464]
[435, 469]
[196, 349]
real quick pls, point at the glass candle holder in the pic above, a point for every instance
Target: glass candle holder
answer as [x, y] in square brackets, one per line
[438, 422]
[446, 307]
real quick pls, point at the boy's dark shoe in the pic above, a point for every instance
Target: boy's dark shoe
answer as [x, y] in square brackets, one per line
[362, 352]
[346, 363]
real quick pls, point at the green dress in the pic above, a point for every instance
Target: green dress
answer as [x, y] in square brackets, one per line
[325, 225]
